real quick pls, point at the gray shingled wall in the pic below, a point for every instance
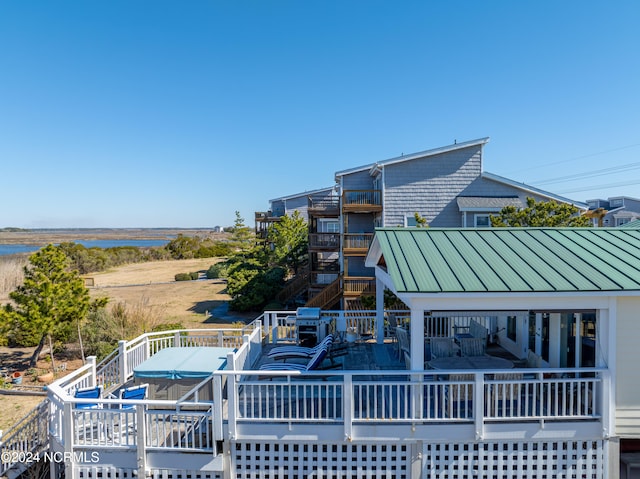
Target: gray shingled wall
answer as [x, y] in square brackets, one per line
[429, 186]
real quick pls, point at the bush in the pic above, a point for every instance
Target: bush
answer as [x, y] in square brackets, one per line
[194, 275]
[218, 270]
[183, 277]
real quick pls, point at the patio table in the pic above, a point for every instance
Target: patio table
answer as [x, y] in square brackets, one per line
[471, 362]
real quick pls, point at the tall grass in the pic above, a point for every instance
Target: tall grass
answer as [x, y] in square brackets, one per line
[11, 273]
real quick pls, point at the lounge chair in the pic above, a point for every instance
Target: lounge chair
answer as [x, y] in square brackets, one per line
[313, 363]
[285, 352]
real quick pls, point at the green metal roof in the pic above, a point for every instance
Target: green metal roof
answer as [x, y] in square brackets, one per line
[631, 224]
[431, 260]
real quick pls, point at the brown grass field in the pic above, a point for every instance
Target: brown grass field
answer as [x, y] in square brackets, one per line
[147, 286]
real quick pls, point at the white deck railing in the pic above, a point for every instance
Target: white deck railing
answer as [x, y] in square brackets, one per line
[337, 398]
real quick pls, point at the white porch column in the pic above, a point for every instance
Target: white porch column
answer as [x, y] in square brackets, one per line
[417, 339]
[379, 311]
[555, 339]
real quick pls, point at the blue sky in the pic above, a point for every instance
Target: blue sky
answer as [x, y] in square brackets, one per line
[177, 114]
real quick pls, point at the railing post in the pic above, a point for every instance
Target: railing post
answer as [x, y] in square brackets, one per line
[232, 405]
[122, 352]
[348, 406]
[220, 339]
[176, 340]
[92, 374]
[478, 404]
[216, 410]
[605, 399]
[67, 438]
[141, 440]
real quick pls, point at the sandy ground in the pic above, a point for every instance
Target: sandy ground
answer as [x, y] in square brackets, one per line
[148, 285]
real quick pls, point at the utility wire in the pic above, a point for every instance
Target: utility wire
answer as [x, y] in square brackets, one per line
[594, 187]
[576, 158]
[590, 174]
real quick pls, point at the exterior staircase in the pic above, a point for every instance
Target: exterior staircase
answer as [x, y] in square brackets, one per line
[328, 297]
[295, 286]
[28, 438]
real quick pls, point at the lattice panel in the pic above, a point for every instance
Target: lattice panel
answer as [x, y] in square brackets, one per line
[99, 472]
[104, 472]
[515, 460]
[287, 460]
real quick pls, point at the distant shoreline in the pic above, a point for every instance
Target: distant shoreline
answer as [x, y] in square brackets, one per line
[44, 236]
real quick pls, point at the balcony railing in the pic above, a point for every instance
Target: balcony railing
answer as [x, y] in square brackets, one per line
[324, 206]
[356, 243]
[361, 201]
[357, 286]
[324, 241]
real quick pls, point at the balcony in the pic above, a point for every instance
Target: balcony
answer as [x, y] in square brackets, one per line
[356, 244]
[361, 201]
[324, 241]
[354, 286]
[328, 207]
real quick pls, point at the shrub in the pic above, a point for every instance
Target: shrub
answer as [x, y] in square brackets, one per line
[218, 270]
[194, 275]
[183, 277]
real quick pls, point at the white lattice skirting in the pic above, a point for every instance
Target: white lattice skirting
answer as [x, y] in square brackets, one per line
[484, 460]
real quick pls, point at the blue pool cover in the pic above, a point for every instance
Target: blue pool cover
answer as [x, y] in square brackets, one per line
[183, 363]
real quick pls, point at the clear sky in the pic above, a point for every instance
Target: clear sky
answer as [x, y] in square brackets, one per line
[176, 114]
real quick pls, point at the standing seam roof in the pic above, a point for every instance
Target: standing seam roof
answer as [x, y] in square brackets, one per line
[511, 259]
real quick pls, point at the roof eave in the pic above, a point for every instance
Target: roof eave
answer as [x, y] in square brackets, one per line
[532, 189]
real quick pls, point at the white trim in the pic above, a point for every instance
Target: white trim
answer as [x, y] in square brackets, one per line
[412, 156]
[483, 215]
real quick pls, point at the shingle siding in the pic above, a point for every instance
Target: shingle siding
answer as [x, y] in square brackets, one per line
[360, 180]
[429, 186]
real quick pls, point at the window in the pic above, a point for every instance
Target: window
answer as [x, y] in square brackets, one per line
[481, 221]
[622, 221]
[410, 220]
[329, 226]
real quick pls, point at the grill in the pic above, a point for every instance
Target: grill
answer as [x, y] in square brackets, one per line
[311, 327]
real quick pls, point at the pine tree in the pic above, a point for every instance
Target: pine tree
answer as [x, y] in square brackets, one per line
[49, 302]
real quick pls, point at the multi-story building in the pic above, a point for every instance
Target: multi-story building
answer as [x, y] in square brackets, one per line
[445, 186]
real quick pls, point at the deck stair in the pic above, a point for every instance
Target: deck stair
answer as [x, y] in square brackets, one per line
[294, 286]
[29, 437]
[328, 297]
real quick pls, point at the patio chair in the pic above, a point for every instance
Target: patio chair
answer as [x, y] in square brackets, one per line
[402, 336]
[286, 352]
[473, 346]
[88, 393]
[460, 396]
[442, 348]
[313, 363]
[135, 392]
[507, 399]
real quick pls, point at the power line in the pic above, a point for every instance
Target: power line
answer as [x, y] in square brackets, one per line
[590, 174]
[594, 187]
[576, 158]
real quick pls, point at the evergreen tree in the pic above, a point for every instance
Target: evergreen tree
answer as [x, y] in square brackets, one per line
[51, 300]
[290, 239]
[540, 214]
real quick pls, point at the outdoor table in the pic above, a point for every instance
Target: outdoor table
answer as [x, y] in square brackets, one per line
[471, 362]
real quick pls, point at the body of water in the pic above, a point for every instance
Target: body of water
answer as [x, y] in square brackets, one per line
[7, 249]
